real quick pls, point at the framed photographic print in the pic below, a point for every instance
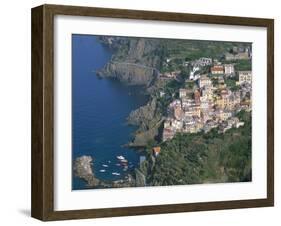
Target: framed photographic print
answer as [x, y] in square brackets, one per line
[141, 112]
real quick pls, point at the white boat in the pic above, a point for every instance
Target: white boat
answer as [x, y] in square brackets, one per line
[104, 165]
[120, 157]
[116, 174]
[102, 170]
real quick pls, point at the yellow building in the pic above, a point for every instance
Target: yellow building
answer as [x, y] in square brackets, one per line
[221, 102]
[245, 77]
[223, 115]
[207, 93]
[193, 111]
[204, 81]
[178, 112]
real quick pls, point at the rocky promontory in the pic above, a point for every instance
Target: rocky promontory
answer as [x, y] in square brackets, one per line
[129, 73]
[83, 168]
[135, 61]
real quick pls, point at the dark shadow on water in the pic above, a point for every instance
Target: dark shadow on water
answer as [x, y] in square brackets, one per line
[25, 212]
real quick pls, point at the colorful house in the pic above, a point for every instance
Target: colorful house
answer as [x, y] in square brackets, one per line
[156, 151]
[217, 70]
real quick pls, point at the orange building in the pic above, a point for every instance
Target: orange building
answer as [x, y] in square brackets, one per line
[156, 151]
[217, 69]
[178, 112]
[197, 96]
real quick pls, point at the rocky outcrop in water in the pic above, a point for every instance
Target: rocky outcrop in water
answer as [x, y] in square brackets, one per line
[83, 168]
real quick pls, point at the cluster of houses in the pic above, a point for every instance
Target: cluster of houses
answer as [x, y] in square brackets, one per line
[234, 54]
[209, 105]
[238, 54]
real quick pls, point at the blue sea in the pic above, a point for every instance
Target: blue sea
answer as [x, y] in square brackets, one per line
[99, 111]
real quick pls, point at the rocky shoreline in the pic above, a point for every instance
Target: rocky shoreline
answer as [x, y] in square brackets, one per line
[149, 120]
[125, 73]
[133, 62]
[136, 64]
[83, 169]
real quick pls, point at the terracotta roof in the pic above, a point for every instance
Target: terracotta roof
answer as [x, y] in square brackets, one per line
[223, 92]
[217, 68]
[168, 130]
[157, 149]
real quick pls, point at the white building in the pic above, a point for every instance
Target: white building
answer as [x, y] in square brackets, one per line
[177, 124]
[204, 81]
[229, 69]
[183, 93]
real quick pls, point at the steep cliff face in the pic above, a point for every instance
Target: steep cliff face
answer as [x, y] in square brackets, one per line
[149, 120]
[129, 73]
[134, 60]
[144, 115]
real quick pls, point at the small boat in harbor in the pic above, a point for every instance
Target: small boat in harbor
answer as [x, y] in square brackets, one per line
[124, 164]
[116, 174]
[102, 170]
[120, 157]
[104, 165]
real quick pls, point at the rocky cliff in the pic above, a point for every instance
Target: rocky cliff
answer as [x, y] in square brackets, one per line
[129, 73]
[83, 168]
[135, 61]
[149, 119]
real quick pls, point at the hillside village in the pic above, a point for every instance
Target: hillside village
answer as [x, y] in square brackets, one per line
[214, 93]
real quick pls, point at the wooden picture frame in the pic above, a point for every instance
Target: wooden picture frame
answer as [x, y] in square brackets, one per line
[43, 112]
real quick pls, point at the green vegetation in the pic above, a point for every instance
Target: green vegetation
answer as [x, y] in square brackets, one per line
[170, 90]
[215, 81]
[178, 51]
[231, 83]
[203, 158]
[190, 84]
[194, 49]
[241, 65]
